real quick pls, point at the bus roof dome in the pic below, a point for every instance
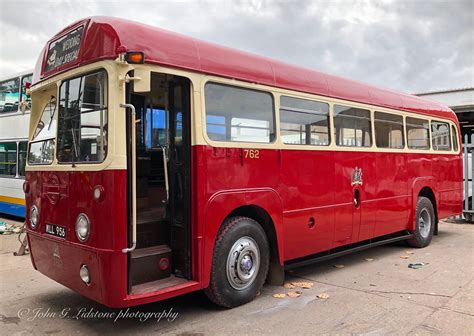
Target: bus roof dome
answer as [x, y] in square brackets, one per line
[104, 37]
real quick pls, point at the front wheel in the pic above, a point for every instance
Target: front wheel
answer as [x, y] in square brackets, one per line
[240, 262]
[425, 223]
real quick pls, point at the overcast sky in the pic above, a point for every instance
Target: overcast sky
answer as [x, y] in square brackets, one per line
[407, 45]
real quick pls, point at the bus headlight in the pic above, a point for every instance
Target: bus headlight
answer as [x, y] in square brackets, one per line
[83, 226]
[34, 216]
[84, 274]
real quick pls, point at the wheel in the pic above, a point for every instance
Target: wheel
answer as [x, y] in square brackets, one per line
[425, 223]
[468, 218]
[240, 262]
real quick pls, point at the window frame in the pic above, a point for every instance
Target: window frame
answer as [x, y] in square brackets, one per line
[16, 175]
[278, 92]
[297, 110]
[19, 142]
[371, 124]
[428, 120]
[404, 142]
[19, 92]
[270, 93]
[106, 96]
[450, 140]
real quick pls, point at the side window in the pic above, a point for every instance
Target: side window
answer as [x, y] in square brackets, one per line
[440, 137]
[238, 114]
[9, 95]
[454, 135]
[304, 122]
[418, 136]
[22, 150]
[352, 126]
[8, 159]
[389, 130]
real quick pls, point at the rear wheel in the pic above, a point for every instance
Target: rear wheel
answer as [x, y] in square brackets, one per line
[240, 262]
[425, 223]
[467, 215]
[468, 218]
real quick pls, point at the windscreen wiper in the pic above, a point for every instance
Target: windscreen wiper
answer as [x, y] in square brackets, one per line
[54, 111]
[75, 148]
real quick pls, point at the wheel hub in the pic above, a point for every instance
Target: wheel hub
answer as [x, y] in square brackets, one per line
[243, 263]
[246, 263]
[424, 223]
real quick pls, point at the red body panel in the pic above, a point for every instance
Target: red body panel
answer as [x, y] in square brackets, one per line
[291, 185]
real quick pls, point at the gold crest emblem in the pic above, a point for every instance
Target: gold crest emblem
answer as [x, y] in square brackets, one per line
[356, 176]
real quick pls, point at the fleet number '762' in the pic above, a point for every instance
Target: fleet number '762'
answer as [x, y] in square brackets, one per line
[251, 153]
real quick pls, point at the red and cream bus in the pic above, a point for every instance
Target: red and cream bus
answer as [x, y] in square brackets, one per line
[159, 164]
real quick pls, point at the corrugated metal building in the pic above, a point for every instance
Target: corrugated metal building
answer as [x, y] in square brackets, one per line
[460, 101]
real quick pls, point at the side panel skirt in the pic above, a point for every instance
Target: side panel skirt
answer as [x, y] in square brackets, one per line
[341, 251]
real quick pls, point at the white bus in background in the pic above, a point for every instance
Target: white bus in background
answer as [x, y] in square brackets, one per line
[14, 125]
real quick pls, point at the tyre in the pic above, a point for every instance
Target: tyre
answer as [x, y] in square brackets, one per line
[468, 215]
[468, 218]
[240, 262]
[425, 223]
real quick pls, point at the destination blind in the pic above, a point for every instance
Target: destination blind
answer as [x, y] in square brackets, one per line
[64, 50]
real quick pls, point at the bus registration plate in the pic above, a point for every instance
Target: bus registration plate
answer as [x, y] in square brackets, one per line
[56, 230]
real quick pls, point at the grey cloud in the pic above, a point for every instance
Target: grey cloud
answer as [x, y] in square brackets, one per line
[410, 46]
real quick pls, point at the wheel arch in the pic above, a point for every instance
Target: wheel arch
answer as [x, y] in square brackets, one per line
[424, 187]
[262, 205]
[262, 217]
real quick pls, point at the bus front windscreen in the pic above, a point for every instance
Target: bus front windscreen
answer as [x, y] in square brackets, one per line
[82, 119]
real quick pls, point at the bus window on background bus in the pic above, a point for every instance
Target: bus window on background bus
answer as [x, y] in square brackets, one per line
[82, 120]
[418, 136]
[9, 95]
[389, 130]
[352, 126]
[440, 137]
[237, 114]
[24, 80]
[304, 122]
[22, 150]
[8, 159]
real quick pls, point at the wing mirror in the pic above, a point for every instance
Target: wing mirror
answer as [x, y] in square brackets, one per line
[25, 105]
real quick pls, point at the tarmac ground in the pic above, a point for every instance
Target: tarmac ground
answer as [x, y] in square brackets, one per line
[373, 292]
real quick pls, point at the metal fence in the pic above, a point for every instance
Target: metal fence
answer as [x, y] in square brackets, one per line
[468, 164]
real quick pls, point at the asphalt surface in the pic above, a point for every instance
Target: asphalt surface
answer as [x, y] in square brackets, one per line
[373, 292]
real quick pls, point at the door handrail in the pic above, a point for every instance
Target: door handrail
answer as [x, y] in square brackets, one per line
[165, 172]
[134, 173]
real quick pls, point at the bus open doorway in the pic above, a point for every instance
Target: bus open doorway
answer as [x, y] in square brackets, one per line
[162, 256]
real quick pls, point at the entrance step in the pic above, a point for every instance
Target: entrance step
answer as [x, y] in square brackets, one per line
[150, 264]
[156, 285]
[152, 230]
